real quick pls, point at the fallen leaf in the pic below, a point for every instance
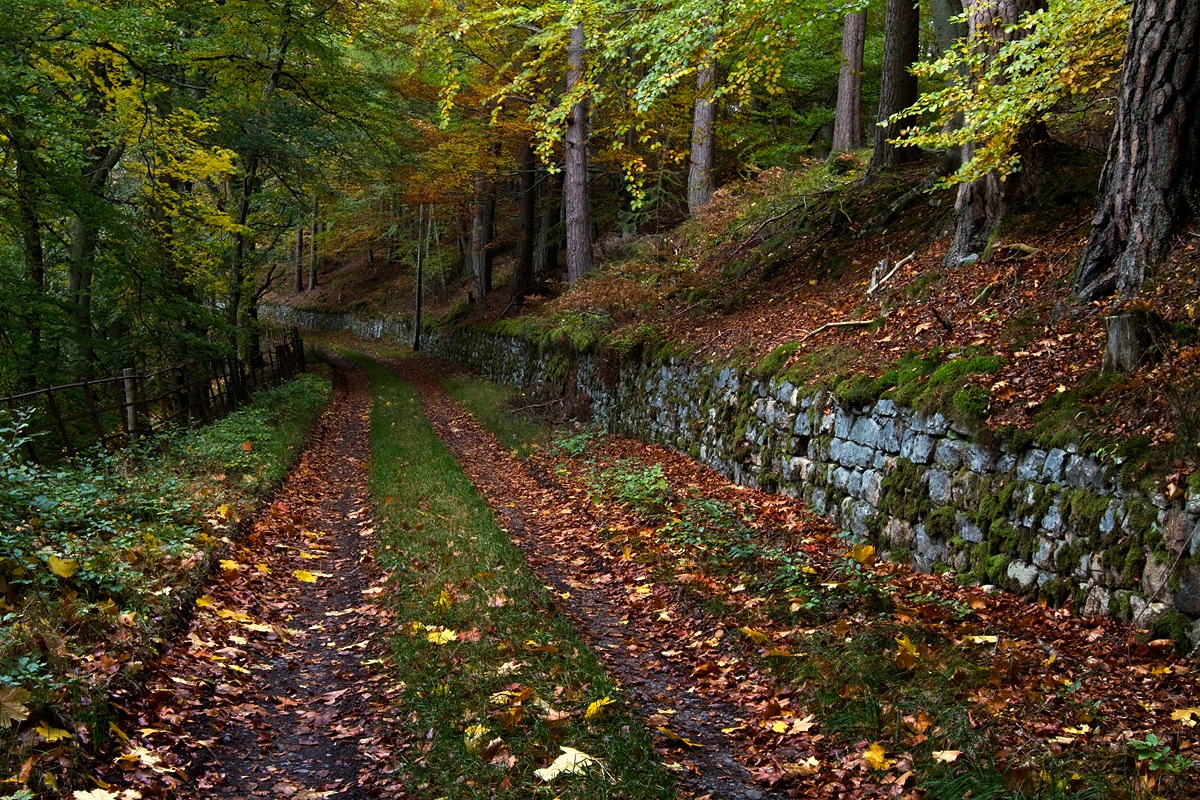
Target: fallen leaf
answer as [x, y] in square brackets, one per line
[571, 762]
[63, 567]
[596, 708]
[304, 576]
[946, 756]
[875, 758]
[907, 656]
[50, 734]
[442, 637]
[12, 705]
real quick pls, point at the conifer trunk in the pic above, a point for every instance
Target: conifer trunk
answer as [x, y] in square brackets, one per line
[847, 122]
[898, 89]
[702, 156]
[575, 179]
[1152, 169]
[526, 221]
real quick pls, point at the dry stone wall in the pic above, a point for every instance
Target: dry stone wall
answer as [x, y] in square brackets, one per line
[1053, 522]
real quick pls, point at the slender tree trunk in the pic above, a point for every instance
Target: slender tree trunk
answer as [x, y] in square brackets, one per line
[79, 292]
[34, 256]
[526, 221]
[480, 235]
[575, 179]
[545, 252]
[847, 121]
[314, 256]
[702, 156]
[1153, 167]
[298, 261]
[981, 204]
[898, 89]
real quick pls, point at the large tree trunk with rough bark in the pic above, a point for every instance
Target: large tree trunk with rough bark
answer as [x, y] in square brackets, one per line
[575, 179]
[701, 158]
[981, 204]
[1153, 157]
[847, 120]
[898, 90]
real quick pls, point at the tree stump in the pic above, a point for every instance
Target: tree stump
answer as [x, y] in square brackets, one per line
[1130, 340]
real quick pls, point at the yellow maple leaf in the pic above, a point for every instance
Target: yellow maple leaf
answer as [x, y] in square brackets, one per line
[51, 734]
[862, 553]
[12, 705]
[1188, 716]
[263, 568]
[236, 616]
[473, 738]
[443, 602]
[875, 757]
[204, 602]
[571, 762]
[596, 708]
[95, 794]
[229, 565]
[981, 639]
[946, 756]
[758, 637]
[907, 654]
[442, 637]
[304, 576]
[63, 567]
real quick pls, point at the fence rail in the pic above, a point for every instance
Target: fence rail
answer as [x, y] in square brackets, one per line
[62, 420]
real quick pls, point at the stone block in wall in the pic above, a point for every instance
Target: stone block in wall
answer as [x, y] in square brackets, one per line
[816, 500]
[1030, 467]
[968, 531]
[843, 420]
[1097, 602]
[865, 431]
[898, 533]
[1083, 472]
[1024, 575]
[854, 455]
[917, 447]
[1052, 470]
[889, 436]
[1187, 596]
[872, 486]
[854, 516]
[935, 424]
[928, 551]
[1155, 576]
[1043, 557]
[949, 453]
[803, 425]
[1052, 521]
[885, 408]
[939, 482]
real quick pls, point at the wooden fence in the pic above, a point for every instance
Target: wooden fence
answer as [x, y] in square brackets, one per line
[62, 420]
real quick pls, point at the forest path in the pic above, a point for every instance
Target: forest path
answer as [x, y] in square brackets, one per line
[659, 651]
[267, 695]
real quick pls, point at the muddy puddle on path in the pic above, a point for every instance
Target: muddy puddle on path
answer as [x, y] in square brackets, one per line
[269, 691]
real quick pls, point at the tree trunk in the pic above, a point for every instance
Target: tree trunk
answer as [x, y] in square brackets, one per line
[1151, 171]
[847, 121]
[313, 255]
[526, 222]
[545, 252]
[898, 90]
[981, 204]
[701, 158]
[298, 261]
[84, 240]
[946, 31]
[479, 235]
[575, 179]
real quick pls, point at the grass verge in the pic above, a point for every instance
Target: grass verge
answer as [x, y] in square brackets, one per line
[496, 683]
[99, 556]
[492, 406]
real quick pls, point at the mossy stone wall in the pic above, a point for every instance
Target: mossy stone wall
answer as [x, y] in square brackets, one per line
[1052, 522]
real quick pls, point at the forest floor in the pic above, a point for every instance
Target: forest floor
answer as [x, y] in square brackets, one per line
[766, 655]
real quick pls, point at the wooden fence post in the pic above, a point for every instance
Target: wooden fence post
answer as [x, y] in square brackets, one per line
[130, 406]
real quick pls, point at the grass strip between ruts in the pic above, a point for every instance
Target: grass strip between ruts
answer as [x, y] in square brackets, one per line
[496, 683]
